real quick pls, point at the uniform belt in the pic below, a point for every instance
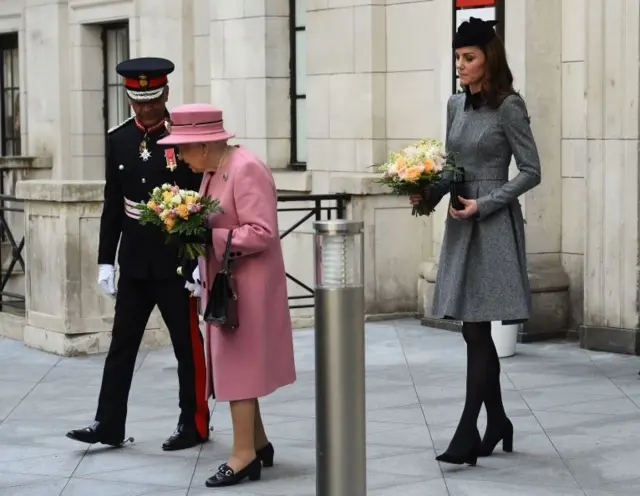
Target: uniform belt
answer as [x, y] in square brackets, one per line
[486, 175]
[130, 209]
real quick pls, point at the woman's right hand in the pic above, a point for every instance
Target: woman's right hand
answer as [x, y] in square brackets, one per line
[416, 199]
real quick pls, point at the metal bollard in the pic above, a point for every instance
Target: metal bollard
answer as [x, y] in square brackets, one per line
[340, 359]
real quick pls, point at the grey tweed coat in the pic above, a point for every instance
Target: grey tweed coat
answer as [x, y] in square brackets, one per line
[482, 273]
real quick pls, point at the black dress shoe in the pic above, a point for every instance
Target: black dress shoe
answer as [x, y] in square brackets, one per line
[226, 476]
[95, 433]
[265, 454]
[183, 438]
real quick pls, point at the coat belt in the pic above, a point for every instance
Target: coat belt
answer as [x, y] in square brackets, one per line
[130, 209]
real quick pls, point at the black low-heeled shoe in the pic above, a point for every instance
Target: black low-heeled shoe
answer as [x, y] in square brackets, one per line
[490, 441]
[266, 454]
[460, 456]
[226, 476]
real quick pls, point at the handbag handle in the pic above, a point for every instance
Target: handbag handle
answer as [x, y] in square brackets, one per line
[227, 251]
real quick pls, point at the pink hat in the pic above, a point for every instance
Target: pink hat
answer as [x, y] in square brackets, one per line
[195, 123]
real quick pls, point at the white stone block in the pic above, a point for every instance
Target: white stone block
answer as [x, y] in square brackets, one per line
[278, 114]
[370, 38]
[202, 61]
[216, 50]
[244, 48]
[574, 28]
[201, 17]
[413, 112]
[318, 106]
[574, 103]
[410, 47]
[574, 157]
[278, 153]
[352, 99]
[223, 10]
[277, 47]
[256, 108]
[229, 95]
[330, 46]
[573, 214]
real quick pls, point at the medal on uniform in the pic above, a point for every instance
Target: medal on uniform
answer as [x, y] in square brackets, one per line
[170, 157]
[145, 154]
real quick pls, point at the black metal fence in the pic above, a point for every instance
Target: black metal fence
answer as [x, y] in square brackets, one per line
[10, 253]
[309, 207]
[316, 207]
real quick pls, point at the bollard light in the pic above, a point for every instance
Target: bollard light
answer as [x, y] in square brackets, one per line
[340, 359]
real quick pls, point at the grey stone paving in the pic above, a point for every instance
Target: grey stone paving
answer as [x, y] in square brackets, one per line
[576, 414]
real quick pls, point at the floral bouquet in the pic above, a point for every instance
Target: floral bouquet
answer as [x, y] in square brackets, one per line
[181, 214]
[407, 172]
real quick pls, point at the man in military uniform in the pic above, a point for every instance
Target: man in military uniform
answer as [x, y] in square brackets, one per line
[135, 165]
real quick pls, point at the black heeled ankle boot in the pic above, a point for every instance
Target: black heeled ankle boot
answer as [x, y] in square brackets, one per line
[493, 436]
[462, 450]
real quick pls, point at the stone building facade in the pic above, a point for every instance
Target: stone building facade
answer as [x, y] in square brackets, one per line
[322, 90]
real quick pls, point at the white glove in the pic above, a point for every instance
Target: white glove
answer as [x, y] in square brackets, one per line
[195, 287]
[106, 278]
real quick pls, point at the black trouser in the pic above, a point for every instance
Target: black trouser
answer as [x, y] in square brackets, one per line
[135, 300]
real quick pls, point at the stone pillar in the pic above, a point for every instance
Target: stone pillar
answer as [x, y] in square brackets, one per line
[533, 39]
[164, 28]
[347, 92]
[611, 227]
[47, 65]
[372, 87]
[249, 55]
[66, 311]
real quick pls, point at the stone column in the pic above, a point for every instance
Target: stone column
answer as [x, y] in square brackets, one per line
[611, 227]
[164, 28]
[533, 39]
[249, 52]
[66, 311]
[47, 64]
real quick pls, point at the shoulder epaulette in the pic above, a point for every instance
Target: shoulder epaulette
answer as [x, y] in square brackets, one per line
[115, 128]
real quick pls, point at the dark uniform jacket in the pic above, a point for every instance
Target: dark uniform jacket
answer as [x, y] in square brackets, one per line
[144, 252]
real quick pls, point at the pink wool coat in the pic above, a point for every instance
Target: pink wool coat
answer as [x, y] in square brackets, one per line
[257, 358]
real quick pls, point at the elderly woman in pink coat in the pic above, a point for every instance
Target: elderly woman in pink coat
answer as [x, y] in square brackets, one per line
[256, 358]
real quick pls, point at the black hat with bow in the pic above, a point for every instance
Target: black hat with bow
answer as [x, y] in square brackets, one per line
[474, 32]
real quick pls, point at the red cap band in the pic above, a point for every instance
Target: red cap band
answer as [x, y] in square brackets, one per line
[142, 83]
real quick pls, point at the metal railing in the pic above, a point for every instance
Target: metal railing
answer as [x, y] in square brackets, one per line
[323, 207]
[16, 246]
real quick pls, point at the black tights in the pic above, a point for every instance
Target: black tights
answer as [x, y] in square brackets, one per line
[483, 386]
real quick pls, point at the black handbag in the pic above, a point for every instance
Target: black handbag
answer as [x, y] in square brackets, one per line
[222, 305]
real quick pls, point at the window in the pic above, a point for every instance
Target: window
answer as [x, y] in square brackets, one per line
[9, 95]
[298, 40]
[488, 10]
[115, 46]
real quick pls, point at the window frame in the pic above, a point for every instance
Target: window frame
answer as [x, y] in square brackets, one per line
[9, 42]
[499, 7]
[104, 35]
[294, 96]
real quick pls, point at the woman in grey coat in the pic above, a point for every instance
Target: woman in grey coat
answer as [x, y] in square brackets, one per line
[482, 274]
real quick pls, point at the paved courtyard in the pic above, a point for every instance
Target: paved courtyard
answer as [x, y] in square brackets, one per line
[576, 415]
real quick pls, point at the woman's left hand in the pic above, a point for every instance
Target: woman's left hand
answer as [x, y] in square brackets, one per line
[470, 209]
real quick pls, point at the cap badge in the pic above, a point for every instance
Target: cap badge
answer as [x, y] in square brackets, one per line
[142, 80]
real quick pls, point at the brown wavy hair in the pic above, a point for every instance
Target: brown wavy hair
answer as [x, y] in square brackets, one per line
[498, 80]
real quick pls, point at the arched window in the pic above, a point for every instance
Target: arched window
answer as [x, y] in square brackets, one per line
[489, 10]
